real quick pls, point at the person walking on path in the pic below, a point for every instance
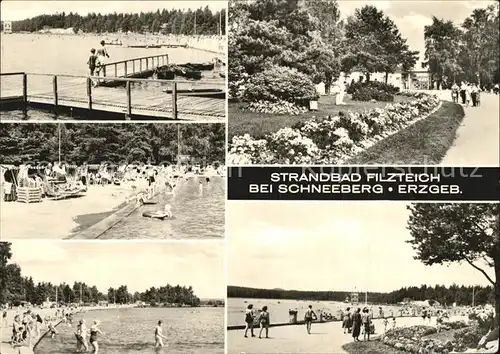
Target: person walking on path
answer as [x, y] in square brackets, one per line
[455, 90]
[474, 93]
[366, 320]
[264, 322]
[249, 318]
[356, 325]
[463, 88]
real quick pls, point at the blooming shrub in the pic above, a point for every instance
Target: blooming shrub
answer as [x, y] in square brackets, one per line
[376, 85]
[279, 107]
[369, 93]
[279, 90]
[330, 139]
[414, 339]
[289, 146]
[468, 337]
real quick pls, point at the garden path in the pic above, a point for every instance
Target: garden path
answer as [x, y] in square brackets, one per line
[324, 338]
[477, 142]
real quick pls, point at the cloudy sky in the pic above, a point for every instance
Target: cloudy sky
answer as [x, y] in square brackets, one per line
[412, 16]
[14, 10]
[329, 246]
[139, 265]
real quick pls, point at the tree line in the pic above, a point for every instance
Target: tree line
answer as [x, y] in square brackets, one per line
[184, 22]
[311, 37]
[112, 143]
[461, 295]
[468, 52]
[16, 288]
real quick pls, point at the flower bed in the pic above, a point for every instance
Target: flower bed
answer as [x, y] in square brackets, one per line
[332, 139]
[413, 339]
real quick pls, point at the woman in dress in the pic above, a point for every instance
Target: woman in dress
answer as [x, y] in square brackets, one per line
[356, 325]
[346, 323]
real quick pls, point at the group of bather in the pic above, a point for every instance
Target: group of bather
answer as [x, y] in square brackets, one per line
[27, 324]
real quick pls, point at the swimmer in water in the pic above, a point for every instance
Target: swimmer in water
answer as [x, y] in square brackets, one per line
[159, 337]
[52, 330]
[94, 331]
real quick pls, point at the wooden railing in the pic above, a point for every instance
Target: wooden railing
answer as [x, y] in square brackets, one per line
[127, 67]
[25, 82]
[89, 86]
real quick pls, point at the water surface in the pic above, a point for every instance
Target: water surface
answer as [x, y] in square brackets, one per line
[197, 214]
[195, 331]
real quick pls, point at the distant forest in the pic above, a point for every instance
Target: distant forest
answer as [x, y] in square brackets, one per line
[164, 21]
[111, 143]
[462, 295]
[15, 288]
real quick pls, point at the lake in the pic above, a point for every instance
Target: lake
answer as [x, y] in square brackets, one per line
[278, 309]
[68, 54]
[196, 214]
[195, 331]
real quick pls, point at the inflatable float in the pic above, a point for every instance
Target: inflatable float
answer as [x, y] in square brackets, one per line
[148, 202]
[155, 215]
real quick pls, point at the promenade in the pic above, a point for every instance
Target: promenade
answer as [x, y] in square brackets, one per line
[324, 338]
[477, 142]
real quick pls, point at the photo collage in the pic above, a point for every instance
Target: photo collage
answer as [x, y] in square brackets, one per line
[250, 177]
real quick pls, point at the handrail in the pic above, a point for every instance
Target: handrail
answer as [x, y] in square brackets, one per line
[12, 74]
[140, 58]
[125, 79]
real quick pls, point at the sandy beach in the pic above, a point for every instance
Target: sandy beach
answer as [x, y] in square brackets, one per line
[58, 219]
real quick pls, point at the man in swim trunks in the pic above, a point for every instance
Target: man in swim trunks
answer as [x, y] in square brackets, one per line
[308, 318]
[159, 335]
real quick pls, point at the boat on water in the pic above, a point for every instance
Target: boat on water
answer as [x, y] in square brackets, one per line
[171, 71]
[147, 46]
[200, 66]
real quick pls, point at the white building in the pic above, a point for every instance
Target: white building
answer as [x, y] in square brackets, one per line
[6, 26]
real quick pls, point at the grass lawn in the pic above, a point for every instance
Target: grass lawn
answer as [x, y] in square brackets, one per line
[425, 142]
[371, 347]
[259, 124]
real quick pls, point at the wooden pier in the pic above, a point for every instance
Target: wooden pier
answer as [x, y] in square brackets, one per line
[125, 95]
[142, 67]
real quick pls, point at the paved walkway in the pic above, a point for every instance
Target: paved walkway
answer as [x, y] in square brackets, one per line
[326, 338]
[477, 142]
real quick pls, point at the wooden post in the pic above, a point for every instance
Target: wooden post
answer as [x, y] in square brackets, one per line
[125, 63]
[174, 100]
[104, 71]
[147, 63]
[25, 88]
[129, 102]
[54, 82]
[116, 70]
[89, 92]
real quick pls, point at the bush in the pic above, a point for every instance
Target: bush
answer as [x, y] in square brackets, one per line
[280, 84]
[376, 85]
[371, 93]
[330, 139]
[468, 337]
